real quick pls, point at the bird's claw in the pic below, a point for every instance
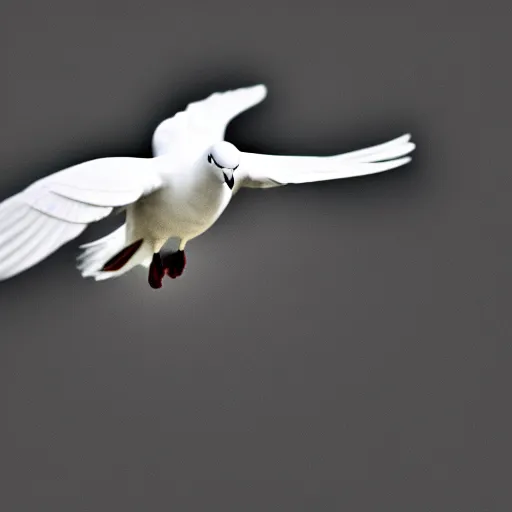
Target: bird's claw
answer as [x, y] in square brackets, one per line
[156, 272]
[174, 264]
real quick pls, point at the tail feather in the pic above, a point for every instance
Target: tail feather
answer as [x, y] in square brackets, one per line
[120, 259]
[111, 256]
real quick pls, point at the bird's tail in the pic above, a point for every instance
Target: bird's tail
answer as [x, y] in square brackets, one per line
[111, 256]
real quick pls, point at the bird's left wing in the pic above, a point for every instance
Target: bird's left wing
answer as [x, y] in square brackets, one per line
[265, 171]
[204, 122]
[52, 211]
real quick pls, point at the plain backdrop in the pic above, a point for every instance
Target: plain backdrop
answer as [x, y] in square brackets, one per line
[335, 346]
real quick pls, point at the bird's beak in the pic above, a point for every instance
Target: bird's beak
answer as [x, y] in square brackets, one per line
[229, 178]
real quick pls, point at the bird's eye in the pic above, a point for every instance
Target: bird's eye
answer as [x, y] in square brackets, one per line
[209, 158]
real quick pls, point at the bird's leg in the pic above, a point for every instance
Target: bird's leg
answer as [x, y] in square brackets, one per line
[174, 263]
[156, 271]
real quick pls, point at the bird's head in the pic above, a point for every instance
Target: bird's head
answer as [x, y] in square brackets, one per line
[224, 159]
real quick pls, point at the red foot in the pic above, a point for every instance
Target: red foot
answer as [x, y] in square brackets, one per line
[174, 264]
[156, 272]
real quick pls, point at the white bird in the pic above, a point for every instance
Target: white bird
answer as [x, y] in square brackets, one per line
[178, 194]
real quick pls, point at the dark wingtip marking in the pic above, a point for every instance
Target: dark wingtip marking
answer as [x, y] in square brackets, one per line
[121, 258]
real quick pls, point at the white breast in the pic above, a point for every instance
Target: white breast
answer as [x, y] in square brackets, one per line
[186, 207]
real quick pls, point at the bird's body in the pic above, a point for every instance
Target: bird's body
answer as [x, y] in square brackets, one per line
[177, 194]
[189, 203]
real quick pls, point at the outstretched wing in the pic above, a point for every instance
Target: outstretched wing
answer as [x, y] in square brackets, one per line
[265, 171]
[204, 122]
[54, 210]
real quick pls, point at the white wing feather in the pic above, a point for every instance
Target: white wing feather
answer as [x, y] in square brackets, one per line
[56, 209]
[265, 171]
[204, 122]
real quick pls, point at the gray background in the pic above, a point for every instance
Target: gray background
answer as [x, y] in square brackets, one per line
[334, 346]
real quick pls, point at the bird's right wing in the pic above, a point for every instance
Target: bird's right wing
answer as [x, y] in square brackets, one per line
[265, 171]
[53, 210]
[204, 122]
